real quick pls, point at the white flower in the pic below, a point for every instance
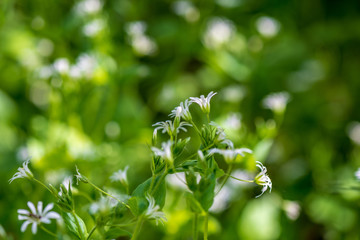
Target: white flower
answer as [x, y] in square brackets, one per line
[203, 102]
[357, 174]
[182, 111]
[276, 101]
[120, 176]
[221, 136]
[230, 154]
[263, 179]
[80, 177]
[165, 153]
[152, 212]
[36, 217]
[169, 127]
[23, 172]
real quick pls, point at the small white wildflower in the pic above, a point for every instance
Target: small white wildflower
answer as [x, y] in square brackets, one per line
[120, 176]
[169, 127]
[276, 101]
[182, 111]
[23, 172]
[165, 153]
[262, 179]
[230, 154]
[152, 212]
[80, 177]
[357, 174]
[203, 102]
[36, 217]
[221, 136]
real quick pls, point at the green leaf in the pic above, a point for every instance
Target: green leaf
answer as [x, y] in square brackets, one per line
[205, 195]
[70, 222]
[193, 204]
[191, 180]
[113, 233]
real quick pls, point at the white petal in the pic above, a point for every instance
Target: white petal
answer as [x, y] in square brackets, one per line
[21, 217]
[23, 211]
[54, 215]
[34, 228]
[24, 226]
[40, 207]
[32, 207]
[45, 220]
[48, 208]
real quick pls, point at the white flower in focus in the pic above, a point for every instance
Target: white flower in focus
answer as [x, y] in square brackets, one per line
[120, 176]
[169, 127]
[262, 179]
[36, 217]
[165, 152]
[276, 101]
[23, 172]
[152, 212]
[230, 154]
[182, 111]
[203, 102]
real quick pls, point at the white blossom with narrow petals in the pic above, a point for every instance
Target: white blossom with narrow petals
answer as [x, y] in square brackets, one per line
[36, 216]
[120, 175]
[165, 152]
[230, 154]
[203, 102]
[182, 111]
[263, 179]
[169, 127]
[23, 172]
[152, 211]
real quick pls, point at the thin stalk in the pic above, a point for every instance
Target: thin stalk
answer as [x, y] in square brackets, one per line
[195, 226]
[227, 175]
[242, 180]
[48, 231]
[107, 194]
[92, 231]
[42, 184]
[137, 228]
[152, 191]
[195, 127]
[206, 220]
[208, 117]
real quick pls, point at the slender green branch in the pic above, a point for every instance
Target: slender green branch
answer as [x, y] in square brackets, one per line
[48, 231]
[206, 223]
[137, 228]
[195, 226]
[227, 175]
[42, 184]
[242, 180]
[107, 194]
[92, 231]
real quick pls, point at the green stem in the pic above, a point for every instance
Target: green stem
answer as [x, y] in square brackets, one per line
[227, 175]
[208, 117]
[152, 191]
[42, 184]
[195, 127]
[137, 228]
[92, 231]
[107, 194]
[48, 231]
[195, 226]
[206, 220]
[242, 180]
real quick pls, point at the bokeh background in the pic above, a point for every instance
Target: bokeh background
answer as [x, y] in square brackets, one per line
[81, 82]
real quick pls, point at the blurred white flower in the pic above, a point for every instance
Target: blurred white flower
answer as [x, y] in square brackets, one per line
[292, 209]
[165, 152]
[262, 179]
[267, 26]
[88, 7]
[94, 27]
[218, 32]
[230, 154]
[103, 205]
[120, 175]
[36, 217]
[187, 10]
[203, 102]
[276, 101]
[152, 211]
[182, 111]
[177, 181]
[137, 28]
[23, 172]
[62, 65]
[357, 174]
[354, 132]
[143, 45]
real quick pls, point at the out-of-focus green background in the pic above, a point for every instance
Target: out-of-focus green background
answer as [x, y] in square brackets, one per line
[81, 82]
